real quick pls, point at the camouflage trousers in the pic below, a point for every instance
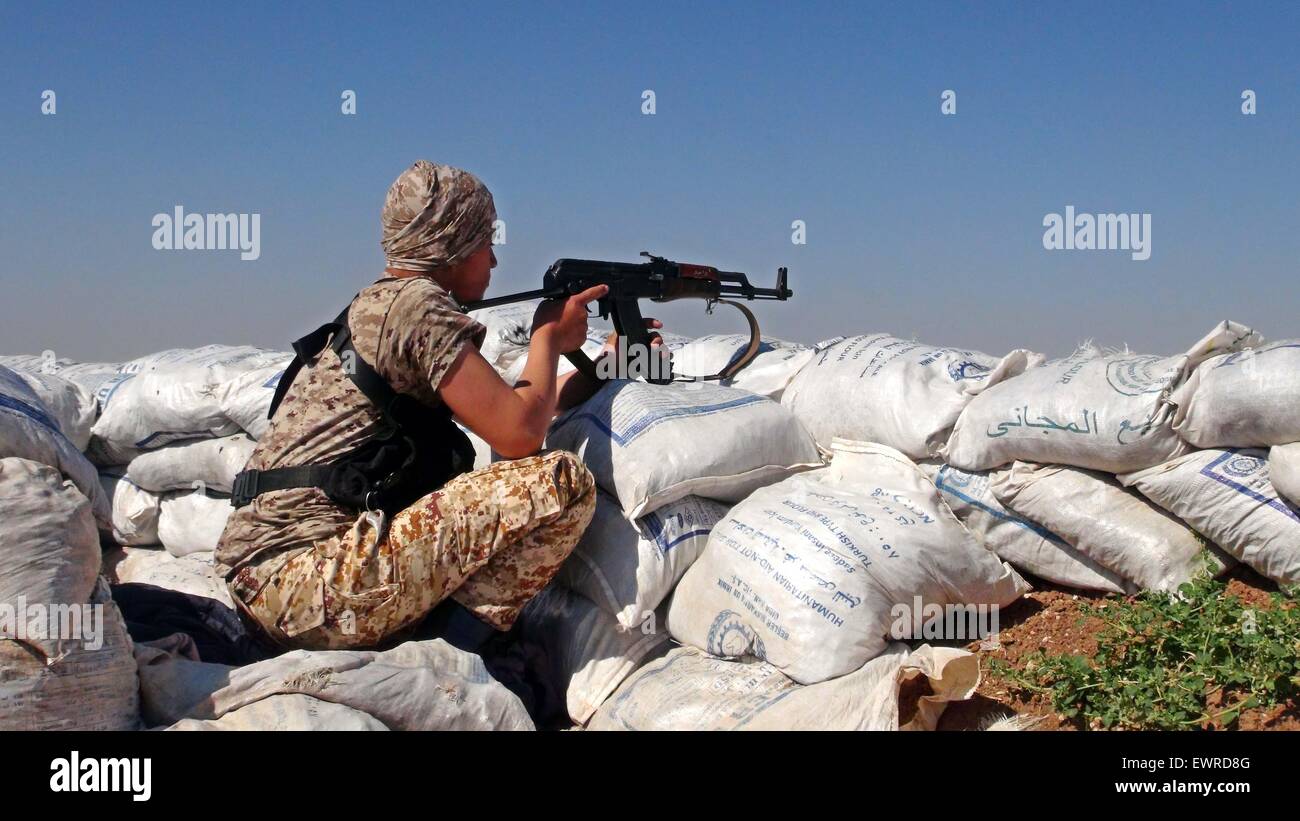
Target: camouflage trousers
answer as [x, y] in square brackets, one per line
[491, 539]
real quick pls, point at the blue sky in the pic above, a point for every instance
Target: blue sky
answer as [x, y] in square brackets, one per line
[917, 223]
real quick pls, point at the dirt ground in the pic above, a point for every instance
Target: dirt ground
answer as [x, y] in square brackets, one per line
[1048, 619]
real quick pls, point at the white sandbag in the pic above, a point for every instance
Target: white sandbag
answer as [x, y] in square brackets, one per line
[200, 464]
[29, 431]
[1108, 412]
[689, 690]
[173, 396]
[290, 711]
[806, 574]
[419, 685]
[192, 522]
[135, 510]
[49, 549]
[71, 405]
[246, 399]
[221, 362]
[767, 375]
[648, 445]
[90, 685]
[627, 568]
[193, 573]
[1241, 400]
[141, 411]
[1116, 528]
[878, 388]
[1284, 470]
[1027, 546]
[1227, 496]
[580, 648]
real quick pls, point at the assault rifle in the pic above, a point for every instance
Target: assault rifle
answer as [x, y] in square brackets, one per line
[659, 280]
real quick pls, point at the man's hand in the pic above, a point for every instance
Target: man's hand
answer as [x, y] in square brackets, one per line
[565, 320]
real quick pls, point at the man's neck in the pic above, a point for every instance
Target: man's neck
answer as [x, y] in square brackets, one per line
[443, 276]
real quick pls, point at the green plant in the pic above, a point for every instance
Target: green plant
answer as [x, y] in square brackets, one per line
[1171, 662]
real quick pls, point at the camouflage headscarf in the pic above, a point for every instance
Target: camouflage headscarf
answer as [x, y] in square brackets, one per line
[435, 215]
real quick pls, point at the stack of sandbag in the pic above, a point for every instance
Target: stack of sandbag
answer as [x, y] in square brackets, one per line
[687, 689]
[65, 656]
[818, 573]
[179, 395]
[419, 685]
[181, 491]
[174, 429]
[1022, 543]
[1107, 412]
[668, 460]
[1118, 530]
[901, 393]
[1233, 477]
[181, 521]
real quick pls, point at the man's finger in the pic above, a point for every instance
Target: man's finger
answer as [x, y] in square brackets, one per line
[592, 294]
[651, 322]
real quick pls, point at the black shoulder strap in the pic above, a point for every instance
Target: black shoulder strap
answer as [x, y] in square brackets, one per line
[338, 335]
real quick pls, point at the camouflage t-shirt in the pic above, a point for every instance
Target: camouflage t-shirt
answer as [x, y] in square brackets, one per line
[411, 331]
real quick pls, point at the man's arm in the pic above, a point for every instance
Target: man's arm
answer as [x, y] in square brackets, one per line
[514, 420]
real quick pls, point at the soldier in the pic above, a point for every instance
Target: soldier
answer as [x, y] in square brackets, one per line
[355, 517]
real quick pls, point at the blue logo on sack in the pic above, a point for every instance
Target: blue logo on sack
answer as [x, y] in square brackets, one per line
[729, 637]
[1240, 466]
[967, 370]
